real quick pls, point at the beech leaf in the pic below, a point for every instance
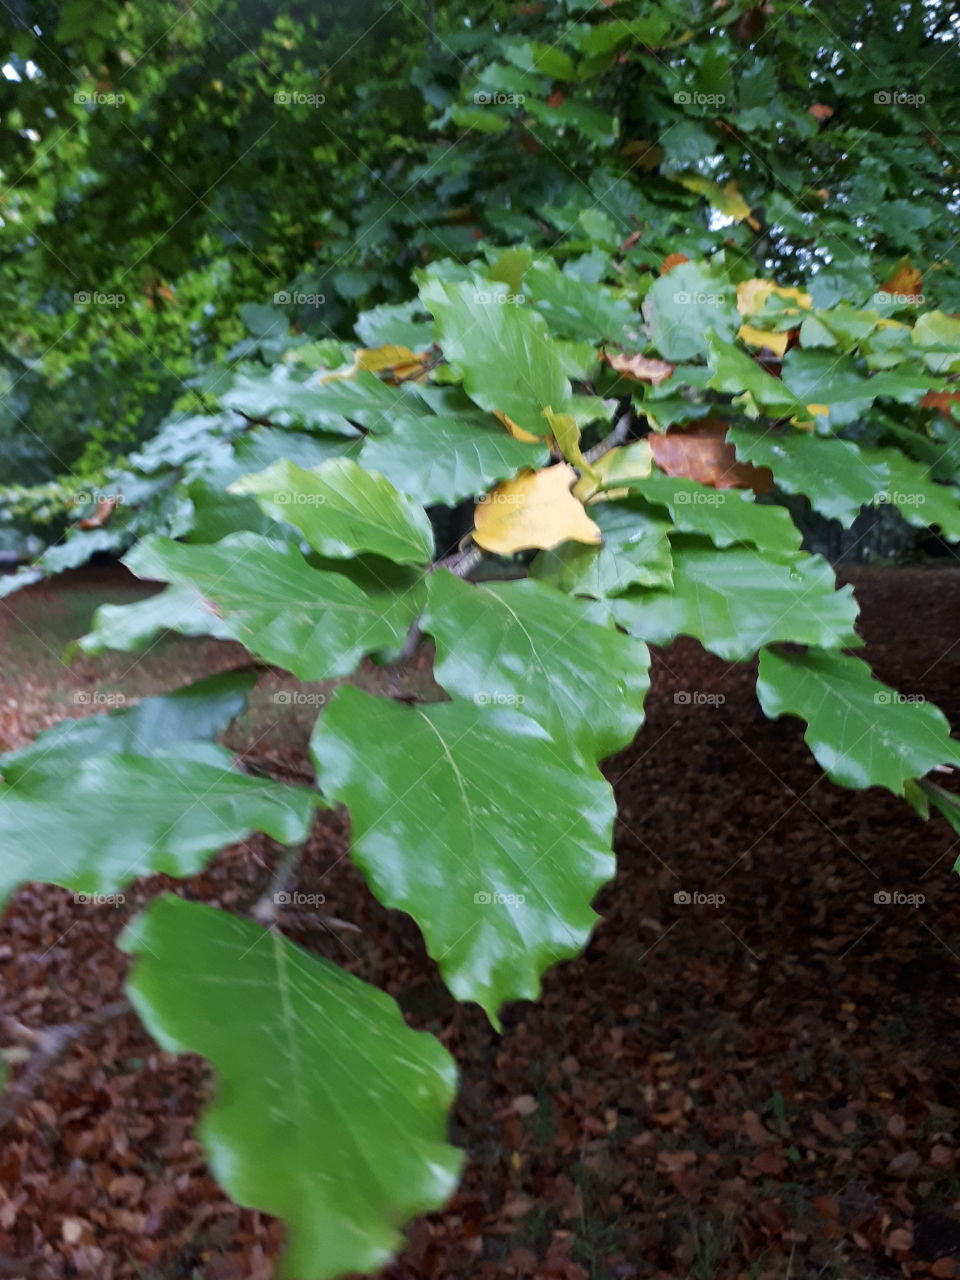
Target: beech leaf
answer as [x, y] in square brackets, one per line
[535, 510]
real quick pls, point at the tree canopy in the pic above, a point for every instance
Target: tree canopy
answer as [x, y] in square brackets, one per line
[181, 166]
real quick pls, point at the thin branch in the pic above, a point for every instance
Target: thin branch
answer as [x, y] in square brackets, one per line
[264, 910]
[621, 430]
[462, 563]
[49, 1044]
[276, 768]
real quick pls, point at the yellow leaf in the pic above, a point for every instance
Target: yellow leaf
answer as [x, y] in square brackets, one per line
[727, 199]
[400, 361]
[376, 359]
[536, 510]
[567, 435]
[518, 433]
[645, 155]
[818, 410]
[753, 294]
[626, 462]
[775, 342]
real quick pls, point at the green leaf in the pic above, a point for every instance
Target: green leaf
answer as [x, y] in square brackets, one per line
[457, 813]
[219, 512]
[365, 399]
[323, 354]
[577, 309]
[685, 306]
[255, 450]
[124, 816]
[736, 373]
[524, 644]
[442, 460]
[24, 577]
[834, 474]
[343, 510]
[635, 552]
[485, 119]
[862, 732]
[688, 143]
[946, 803]
[327, 406]
[329, 1112]
[738, 600]
[543, 59]
[130, 627]
[920, 499]
[508, 362]
[939, 337]
[182, 439]
[598, 126]
[601, 38]
[79, 547]
[284, 401]
[847, 278]
[725, 516]
[819, 377]
[842, 326]
[196, 712]
[394, 323]
[314, 623]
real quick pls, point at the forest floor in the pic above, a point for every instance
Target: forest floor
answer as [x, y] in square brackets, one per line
[763, 1089]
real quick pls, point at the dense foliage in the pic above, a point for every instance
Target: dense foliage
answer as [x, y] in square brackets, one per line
[172, 170]
[646, 285]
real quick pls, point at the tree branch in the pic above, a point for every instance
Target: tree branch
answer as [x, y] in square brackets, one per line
[264, 910]
[621, 430]
[49, 1044]
[462, 563]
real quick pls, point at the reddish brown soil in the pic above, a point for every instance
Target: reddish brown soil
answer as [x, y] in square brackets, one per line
[765, 1088]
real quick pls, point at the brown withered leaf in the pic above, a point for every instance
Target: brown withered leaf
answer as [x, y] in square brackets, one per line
[524, 1104]
[769, 1163]
[702, 453]
[751, 24]
[827, 1206]
[640, 368]
[900, 1240]
[941, 400]
[100, 516]
[672, 260]
[906, 281]
[905, 1164]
